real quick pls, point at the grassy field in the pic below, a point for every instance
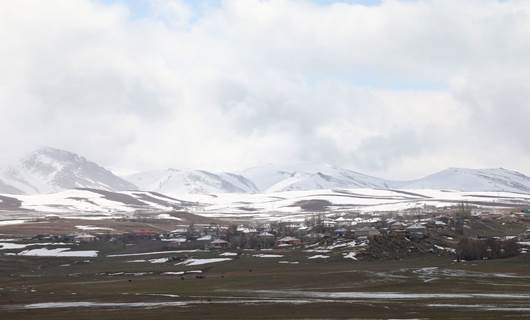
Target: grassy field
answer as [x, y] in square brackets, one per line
[251, 287]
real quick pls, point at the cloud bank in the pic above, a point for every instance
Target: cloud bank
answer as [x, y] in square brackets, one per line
[397, 89]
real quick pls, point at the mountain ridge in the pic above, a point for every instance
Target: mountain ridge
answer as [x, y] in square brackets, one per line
[174, 181]
[48, 170]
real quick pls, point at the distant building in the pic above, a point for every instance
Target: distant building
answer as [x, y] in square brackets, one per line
[366, 232]
[265, 234]
[219, 244]
[417, 230]
[341, 232]
[85, 238]
[397, 226]
[288, 242]
[440, 224]
[205, 238]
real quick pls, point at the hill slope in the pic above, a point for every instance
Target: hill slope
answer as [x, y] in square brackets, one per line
[172, 181]
[49, 170]
[473, 180]
[270, 178]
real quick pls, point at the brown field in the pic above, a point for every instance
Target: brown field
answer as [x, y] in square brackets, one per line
[249, 287]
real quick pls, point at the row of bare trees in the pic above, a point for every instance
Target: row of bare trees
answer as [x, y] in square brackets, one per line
[491, 248]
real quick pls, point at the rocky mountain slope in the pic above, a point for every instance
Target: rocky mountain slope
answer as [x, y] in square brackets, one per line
[49, 170]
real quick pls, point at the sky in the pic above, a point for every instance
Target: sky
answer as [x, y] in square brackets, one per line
[396, 89]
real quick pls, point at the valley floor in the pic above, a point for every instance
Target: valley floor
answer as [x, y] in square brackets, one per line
[136, 283]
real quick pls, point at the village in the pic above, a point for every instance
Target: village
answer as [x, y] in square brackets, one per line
[383, 236]
[182, 260]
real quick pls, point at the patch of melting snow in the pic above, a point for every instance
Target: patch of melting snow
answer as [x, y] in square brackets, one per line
[159, 260]
[457, 273]
[11, 222]
[180, 273]
[10, 246]
[228, 254]
[167, 216]
[196, 262]
[134, 274]
[162, 295]
[87, 228]
[484, 307]
[58, 252]
[318, 256]
[92, 218]
[289, 262]
[385, 295]
[160, 304]
[136, 261]
[350, 255]
[445, 249]
[261, 255]
[151, 253]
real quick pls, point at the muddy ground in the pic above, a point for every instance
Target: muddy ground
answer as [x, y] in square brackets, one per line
[122, 283]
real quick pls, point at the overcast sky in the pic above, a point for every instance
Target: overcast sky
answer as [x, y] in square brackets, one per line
[397, 89]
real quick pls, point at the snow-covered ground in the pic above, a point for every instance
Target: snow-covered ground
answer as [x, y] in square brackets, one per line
[285, 205]
[58, 252]
[191, 181]
[197, 262]
[289, 205]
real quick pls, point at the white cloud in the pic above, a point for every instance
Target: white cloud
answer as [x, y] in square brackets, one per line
[399, 89]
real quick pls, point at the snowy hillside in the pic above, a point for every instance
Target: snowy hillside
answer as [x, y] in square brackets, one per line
[172, 181]
[285, 206]
[296, 205]
[89, 202]
[473, 180]
[49, 170]
[5, 188]
[270, 178]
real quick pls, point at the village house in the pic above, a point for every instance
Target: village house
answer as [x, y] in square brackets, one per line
[219, 244]
[175, 242]
[417, 231]
[366, 232]
[246, 230]
[397, 226]
[439, 224]
[288, 242]
[340, 232]
[265, 234]
[85, 237]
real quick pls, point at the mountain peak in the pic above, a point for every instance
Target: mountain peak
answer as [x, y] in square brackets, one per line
[49, 169]
[466, 179]
[172, 181]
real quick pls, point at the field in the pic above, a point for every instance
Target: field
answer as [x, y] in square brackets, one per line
[133, 281]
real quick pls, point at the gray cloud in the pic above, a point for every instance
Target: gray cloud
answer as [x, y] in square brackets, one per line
[257, 82]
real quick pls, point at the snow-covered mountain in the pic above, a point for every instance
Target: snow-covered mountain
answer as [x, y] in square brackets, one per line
[472, 180]
[5, 188]
[49, 170]
[270, 178]
[172, 181]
